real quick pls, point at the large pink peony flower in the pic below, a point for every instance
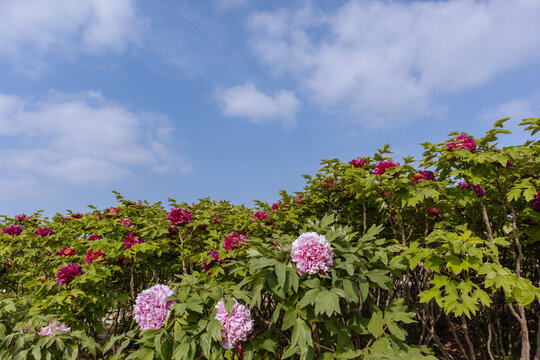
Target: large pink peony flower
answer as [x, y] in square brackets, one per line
[358, 162]
[231, 242]
[383, 166]
[13, 230]
[461, 142]
[43, 231]
[53, 328]
[260, 215]
[312, 253]
[236, 326]
[67, 273]
[152, 307]
[179, 216]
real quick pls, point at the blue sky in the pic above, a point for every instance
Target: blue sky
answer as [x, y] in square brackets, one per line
[236, 99]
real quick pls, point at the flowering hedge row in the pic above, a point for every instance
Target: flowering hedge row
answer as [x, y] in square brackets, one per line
[374, 259]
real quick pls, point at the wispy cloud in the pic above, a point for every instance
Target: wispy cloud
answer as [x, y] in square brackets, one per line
[30, 30]
[246, 101]
[388, 62]
[81, 139]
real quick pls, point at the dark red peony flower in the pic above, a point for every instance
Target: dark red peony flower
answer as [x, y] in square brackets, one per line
[358, 162]
[67, 252]
[476, 188]
[461, 142]
[13, 230]
[535, 202]
[43, 231]
[260, 215]
[231, 241]
[21, 217]
[66, 274]
[92, 255]
[179, 216]
[132, 240]
[384, 165]
[95, 237]
[433, 211]
[423, 175]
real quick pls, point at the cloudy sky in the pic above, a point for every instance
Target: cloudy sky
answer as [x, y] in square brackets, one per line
[236, 99]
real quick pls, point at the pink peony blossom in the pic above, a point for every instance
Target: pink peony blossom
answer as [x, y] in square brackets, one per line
[312, 253]
[95, 237]
[92, 255]
[423, 175]
[535, 202]
[67, 273]
[236, 326]
[53, 328]
[358, 162]
[179, 216]
[461, 142]
[275, 205]
[132, 240]
[152, 307]
[13, 230]
[21, 217]
[384, 165]
[231, 241]
[476, 188]
[260, 215]
[433, 211]
[67, 252]
[43, 231]
[126, 222]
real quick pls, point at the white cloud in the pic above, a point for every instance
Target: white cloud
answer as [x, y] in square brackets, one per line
[32, 29]
[248, 102]
[81, 139]
[391, 60]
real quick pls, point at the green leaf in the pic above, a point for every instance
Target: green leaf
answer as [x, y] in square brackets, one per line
[289, 318]
[301, 334]
[309, 297]
[280, 270]
[375, 327]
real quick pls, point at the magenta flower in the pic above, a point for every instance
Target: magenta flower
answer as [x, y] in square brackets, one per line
[383, 166]
[132, 240]
[67, 252]
[43, 231]
[535, 202]
[299, 200]
[433, 211]
[312, 253]
[328, 183]
[358, 162]
[476, 188]
[92, 255]
[423, 175]
[125, 222]
[215, 257]
[67, 273]
[275, 205]
[95, 237]
[236, 326]
[21, 217]
[152, 307]
[260, 215]
[231, 241]
[13, 230]
[179, 216]
[53, 328]
[77, 216]
[461, 142]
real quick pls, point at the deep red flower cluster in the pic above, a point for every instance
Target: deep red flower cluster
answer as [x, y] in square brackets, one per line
[476, 188]
[67, 252]
[423, 175]
[275, 205]
[358, 162]
[215, 258]
[13, 230]
[383, 166]
[77, 216]
[535, 202]
[179, 216]
[132, 240]
[67, 273]
[92, 255]
[95, 237]
[231, 242]
[461, 142]
[43, 231]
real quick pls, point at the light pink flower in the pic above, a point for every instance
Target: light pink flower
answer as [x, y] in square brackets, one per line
[461, 142]
[312, 253]
[236, 326]
[152, 307]
[383, 166]
[53, 328]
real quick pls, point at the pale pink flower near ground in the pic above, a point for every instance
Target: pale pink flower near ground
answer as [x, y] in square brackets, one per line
[152, 307]
[53, 328]
[312, 253]
[236, 326]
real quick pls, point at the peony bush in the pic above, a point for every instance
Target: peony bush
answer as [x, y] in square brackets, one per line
[373, 259]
